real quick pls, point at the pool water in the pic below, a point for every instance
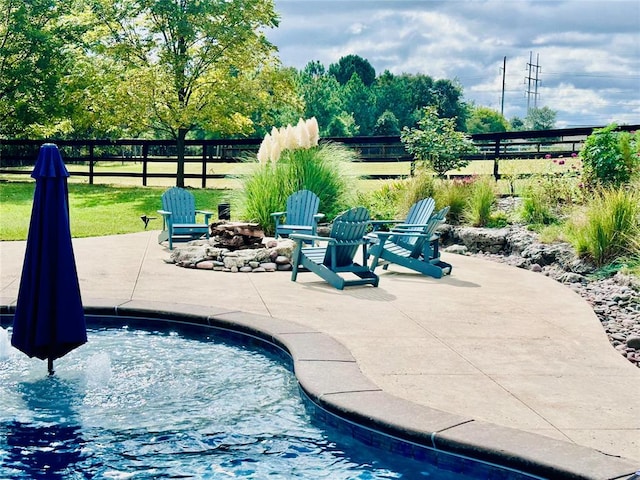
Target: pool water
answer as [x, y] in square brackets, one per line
[141, 404]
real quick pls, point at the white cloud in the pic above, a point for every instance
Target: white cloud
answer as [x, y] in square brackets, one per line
[589, 50]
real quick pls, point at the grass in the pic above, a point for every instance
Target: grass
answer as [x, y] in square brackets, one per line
[95, 210]
[609, 228]
[513, 171]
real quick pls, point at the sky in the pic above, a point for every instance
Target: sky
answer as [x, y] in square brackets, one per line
[584, 54]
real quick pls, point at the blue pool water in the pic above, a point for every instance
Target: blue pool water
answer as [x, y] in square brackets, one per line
[140, 404]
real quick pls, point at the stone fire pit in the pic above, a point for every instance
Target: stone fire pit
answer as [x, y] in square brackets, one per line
[235, 247]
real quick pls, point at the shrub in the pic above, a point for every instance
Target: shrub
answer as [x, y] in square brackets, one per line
[436, 142]
[318, 169]
[455, 194]
[609, 227]
[536, 208]
[383, 202]
[415, 189]
[480, 202]
[610, 157]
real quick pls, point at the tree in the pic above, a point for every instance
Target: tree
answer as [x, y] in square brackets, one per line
[437, 143]
[33, 62]
[359, 101]
[486, 120]
[190, 63]
[387, 124]
[342, 125]
[321, 96]
[540, 119]
[347, 66]
[447, 96]
[517, 124]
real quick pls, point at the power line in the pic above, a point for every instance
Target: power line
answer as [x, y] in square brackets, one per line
[535, 80]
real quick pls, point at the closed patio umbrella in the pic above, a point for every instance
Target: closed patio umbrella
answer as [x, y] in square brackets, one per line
[49, 319]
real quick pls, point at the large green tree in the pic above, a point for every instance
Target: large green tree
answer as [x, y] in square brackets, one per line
[321, 95]
[540, 119]
[360, 102]
[486, 120]
[189, 63]
[33, 63]
[349, 65]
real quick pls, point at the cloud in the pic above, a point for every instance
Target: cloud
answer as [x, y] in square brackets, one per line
[588, 51]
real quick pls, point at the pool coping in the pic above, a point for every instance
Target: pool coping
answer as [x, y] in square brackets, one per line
[329, 375]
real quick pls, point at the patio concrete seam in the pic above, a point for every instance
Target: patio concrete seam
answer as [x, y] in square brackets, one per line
[140, 266]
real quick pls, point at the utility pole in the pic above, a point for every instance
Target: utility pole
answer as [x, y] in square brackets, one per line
[529, 79]
[504, 72]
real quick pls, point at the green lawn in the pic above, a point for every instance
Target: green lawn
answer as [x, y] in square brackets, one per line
[114, 204]
[95, 210]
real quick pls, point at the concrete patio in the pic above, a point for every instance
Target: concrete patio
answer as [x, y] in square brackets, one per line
[490, 342]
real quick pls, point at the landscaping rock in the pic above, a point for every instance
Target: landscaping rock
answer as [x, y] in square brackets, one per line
[483, 239]
[458, 249]
[209, 255]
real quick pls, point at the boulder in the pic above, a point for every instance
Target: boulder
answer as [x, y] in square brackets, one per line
[490, 240]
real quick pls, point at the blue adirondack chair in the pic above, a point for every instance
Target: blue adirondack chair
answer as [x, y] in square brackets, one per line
[415, 221]
[179, 217]
[335, 261]
[422, 255]
[301, 215]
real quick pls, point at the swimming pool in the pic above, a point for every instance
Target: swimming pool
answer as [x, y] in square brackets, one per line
[139, 403]
[357, 419]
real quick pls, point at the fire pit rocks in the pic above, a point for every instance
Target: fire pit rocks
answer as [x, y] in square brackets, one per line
[235, 247]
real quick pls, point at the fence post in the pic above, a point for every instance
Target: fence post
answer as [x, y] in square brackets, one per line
[91, 161]
[204, 165]
[496, 160]
[145, 154]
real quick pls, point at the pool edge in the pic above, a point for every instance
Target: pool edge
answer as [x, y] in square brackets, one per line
[331, 378]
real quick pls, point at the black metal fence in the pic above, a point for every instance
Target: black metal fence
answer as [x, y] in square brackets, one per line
[15, 155]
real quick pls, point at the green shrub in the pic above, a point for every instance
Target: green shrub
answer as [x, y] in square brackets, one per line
[610, 157]
[498, 220]
[609, 226]
[318, 169]
[536, 207]
[415, 189]
[383, 202]
[481, 199]
[455, 194]
[436, 142]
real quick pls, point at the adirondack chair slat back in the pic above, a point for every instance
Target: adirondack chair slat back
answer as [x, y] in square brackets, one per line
[347, 227]
[432, 225]
[301, 207]
[181, 204]
[436, 219]
[419, 214]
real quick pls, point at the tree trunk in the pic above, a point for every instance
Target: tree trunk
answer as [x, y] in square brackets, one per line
[182, 134]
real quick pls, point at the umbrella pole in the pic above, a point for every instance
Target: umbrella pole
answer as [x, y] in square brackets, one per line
[50, 365]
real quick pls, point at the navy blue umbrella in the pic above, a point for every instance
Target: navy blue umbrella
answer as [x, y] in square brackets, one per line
[49, 320]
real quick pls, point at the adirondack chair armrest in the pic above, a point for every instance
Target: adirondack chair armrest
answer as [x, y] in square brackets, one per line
[277, 217]
[400, 234]
[207, 215]
[318, 216]
[376, 224]
[401, 226]
[310, 238]
[166, 219]
[384, 236]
